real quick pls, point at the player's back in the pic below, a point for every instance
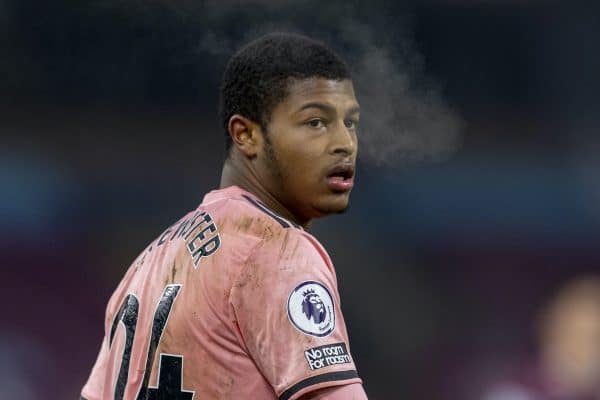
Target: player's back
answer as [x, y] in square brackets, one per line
[187, 321]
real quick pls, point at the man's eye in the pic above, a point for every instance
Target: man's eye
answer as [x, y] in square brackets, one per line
[350, 123]
[316, 123]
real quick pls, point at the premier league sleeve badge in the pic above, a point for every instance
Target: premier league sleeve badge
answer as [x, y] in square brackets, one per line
[311, 310]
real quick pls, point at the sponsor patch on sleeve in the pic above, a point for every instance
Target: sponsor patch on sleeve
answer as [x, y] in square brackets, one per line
[311, 310]
[327, 355]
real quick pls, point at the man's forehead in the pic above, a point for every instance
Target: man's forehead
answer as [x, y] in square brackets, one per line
[321, 89]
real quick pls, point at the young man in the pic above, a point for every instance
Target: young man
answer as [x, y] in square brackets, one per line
[236, 300]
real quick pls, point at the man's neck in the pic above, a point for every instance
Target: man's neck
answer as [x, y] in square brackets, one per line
[243, 176]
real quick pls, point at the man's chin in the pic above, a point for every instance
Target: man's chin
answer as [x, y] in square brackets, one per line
[337, 206]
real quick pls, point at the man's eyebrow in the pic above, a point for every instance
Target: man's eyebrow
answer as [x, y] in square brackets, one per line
[354, 110]
[326, 107]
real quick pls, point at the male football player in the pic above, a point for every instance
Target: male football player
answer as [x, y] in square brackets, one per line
[237, 300]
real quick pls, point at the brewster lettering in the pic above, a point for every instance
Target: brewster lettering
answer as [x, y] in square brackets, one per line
[205, 240]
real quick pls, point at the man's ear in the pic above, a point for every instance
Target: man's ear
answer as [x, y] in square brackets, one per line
[246, 135]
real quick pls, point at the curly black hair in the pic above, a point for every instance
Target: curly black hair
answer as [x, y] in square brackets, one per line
[257, 76]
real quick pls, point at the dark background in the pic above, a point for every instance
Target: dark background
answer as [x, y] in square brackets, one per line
[109, 134]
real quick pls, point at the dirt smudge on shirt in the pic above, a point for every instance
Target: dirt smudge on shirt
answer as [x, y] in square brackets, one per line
[244, 224]
[250, 276]
[284, 243]
[173, 272]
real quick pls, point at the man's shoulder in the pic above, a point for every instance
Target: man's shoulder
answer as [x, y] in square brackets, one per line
[242, 225]
[246, 217]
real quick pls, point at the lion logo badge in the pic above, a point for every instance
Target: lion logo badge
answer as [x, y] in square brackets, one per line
[311, 309]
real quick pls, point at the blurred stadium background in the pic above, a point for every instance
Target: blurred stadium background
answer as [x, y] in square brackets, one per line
[109, 133]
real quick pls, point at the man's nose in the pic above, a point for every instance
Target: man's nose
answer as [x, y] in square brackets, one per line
[344, 140]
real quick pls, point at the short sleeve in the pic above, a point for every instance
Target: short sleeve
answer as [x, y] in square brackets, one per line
[287, 308]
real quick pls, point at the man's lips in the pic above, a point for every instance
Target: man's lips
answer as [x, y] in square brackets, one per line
[339, 184]
[340, 177]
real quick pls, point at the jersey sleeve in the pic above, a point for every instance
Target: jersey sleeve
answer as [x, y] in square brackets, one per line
[287, 308]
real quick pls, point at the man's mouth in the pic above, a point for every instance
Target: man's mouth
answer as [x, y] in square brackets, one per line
[340, 178]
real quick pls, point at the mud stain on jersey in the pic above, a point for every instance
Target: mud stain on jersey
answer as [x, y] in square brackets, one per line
[284, 243]
[262, 226]
[244, 224]
[288, 253]
[170, 278]
[222, 222]
[195, 315]
[250, 276]
[295, 249]
[225, 387]
[213, 378]
[165, 341]
[173, 272]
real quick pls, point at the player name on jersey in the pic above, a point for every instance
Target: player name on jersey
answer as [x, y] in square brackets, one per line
[203, 239]
[199, 232]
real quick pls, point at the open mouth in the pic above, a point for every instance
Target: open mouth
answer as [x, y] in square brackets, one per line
[341, 177]
[341, 171]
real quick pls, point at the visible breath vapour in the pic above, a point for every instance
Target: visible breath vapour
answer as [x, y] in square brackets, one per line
[403, 119]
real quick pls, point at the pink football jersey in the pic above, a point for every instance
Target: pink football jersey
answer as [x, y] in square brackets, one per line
[231, 302]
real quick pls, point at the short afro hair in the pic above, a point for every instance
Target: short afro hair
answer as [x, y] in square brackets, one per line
[256, 78]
